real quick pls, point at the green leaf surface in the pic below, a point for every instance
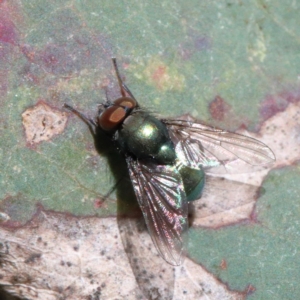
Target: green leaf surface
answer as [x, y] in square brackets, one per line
[262, 253]
[229, 63]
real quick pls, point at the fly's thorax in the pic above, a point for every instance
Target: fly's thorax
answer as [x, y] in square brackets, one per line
[193, 180]
[146, 137]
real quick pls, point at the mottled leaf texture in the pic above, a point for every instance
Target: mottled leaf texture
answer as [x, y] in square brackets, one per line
[216, 150]
[234, 64]
[162, 199]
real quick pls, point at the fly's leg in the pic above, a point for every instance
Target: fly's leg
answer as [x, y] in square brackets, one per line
[90, 122]
[93, 127]
[113, 188]
[123, 87]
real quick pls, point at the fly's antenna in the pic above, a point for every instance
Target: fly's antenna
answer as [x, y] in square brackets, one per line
[90, 122]
[114, 60]
[123, 87]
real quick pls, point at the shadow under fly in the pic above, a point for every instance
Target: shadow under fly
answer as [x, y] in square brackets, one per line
[154, 276]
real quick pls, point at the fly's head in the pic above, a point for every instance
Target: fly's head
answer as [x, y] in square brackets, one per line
[111, 115]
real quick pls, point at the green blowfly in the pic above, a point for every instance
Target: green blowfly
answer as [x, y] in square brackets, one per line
[167, 161]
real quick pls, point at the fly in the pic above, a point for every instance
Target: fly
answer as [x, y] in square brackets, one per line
[167, 161]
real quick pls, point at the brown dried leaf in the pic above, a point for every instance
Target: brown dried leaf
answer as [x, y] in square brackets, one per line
[57, 256]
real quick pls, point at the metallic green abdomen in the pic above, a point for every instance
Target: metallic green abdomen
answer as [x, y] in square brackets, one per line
[146, 137]
[193, 181]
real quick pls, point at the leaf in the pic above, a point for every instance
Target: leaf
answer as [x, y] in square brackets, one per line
[232, 64]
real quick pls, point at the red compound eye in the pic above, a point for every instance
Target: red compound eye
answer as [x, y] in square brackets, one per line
[126, 102]
[114, 115]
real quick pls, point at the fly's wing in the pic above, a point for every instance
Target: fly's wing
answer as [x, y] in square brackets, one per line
[216, 150]
[160, 193]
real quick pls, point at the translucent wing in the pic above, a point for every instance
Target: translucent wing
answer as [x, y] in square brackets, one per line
[216, 150]
[162, 199]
